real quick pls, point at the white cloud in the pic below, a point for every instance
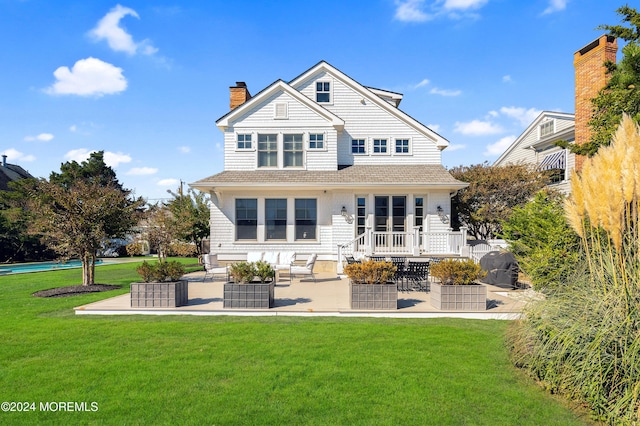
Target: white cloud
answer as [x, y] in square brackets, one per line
[13, 155]
[73, 128]
[142, 171]
[506, 78]
[184, 149]
[111, 159]
[109, 29]
[168, 182]
[42, 137]
[464, 4]
[477, 128]
[421, 84]
[555, 6]
[455, 147]
[493, 114]
[219, 146]
[523, 116]
[88, 77]
[500, 146]
[409, 11]
[445, 92]
[434, 127]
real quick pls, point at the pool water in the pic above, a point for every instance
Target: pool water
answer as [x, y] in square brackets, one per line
[21, 268]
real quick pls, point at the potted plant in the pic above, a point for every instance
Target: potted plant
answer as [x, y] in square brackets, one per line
[458, 289]
[372, 285]
[244, 291]
[161, 286]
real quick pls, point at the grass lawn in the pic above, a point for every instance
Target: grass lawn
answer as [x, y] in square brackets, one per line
[257, 370]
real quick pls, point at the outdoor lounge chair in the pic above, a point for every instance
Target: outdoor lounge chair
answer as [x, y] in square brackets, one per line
[307, 269]
[213, 268]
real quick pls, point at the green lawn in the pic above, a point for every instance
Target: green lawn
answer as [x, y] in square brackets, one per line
[258, 370]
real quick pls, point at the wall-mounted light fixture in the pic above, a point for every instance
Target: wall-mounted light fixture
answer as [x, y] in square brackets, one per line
[443, 217]
[347, 217]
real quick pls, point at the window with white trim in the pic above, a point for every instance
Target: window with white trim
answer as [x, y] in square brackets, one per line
[402, 146]
[267, 150]
[246, 218]
[293, 150]
[306, 219]
[275, 212]
[243, 141]
[546, 128]
[316, 141]
[358, 146]
[380, 146]
[323, 91]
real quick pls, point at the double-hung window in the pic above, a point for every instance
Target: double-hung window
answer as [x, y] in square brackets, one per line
[402, 146]
[323, 91]
[306, 218]
[546, 128]
[244, 141]
[246, 218]
[293, 150]
[380, 146]
[275, 211]
[358, 146]
[267, 150]
[316, 141]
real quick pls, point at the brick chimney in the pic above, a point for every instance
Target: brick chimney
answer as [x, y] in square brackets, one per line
[590, 78]
[239, 94]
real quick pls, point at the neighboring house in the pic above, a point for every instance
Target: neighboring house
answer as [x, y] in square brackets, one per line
[325, 165]
[11, 173]
[536, 146]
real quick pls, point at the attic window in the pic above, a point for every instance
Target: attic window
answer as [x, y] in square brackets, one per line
[546, 128]
[323, 91]
[281, 110]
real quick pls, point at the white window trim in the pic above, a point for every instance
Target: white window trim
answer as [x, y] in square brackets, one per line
[281, 152]
[553, 129]
[380, 153]
[403, 153]
[278, 151]
[253, 142]
[366, 146]
[315, 91]
[324, 141]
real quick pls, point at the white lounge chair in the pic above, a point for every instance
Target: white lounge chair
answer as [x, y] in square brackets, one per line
[307, 269]
[213, 268]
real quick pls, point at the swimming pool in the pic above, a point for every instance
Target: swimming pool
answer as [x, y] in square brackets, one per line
[21, 268]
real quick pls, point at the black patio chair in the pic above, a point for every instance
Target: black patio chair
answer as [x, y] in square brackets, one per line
[351, 260]
[417, 276]
[378, 258]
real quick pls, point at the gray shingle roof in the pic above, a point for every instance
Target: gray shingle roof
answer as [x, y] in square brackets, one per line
[11, 173]
[433, 175]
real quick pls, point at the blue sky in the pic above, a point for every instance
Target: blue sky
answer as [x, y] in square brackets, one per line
[145, 81]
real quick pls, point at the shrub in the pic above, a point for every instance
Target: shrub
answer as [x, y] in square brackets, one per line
[370, 272]
[457, 272]
[242, 272]
[181, 249]
[264, 271]
[161, 271]
[134, 249]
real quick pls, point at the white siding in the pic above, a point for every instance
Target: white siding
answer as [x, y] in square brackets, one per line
[365, 119]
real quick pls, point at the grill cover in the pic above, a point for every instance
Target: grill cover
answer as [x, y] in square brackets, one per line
[501, 267]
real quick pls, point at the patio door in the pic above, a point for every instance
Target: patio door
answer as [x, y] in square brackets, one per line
[390, 215]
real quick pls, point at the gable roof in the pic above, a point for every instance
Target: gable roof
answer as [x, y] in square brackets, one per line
[543, 115]
[374, 97]
[422, 175]
[279, 86]
[11, 173]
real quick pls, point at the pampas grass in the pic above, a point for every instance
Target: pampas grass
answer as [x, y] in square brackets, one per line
[584, 341]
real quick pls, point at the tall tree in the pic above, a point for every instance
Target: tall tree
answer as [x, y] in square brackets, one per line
[77, 209]
[492, 194]
[191, 216]
[622, 92]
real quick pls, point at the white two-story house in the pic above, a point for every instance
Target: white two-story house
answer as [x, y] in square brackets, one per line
[325, 165]
[536, 146]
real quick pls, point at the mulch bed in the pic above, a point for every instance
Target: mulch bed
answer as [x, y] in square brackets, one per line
[75, 290]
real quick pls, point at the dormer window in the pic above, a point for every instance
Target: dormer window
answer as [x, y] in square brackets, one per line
[546, 129]
[323, 91]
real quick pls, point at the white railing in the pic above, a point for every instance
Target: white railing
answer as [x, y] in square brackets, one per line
[392, 243]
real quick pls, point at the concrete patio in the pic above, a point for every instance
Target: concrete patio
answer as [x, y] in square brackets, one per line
[328, 296]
